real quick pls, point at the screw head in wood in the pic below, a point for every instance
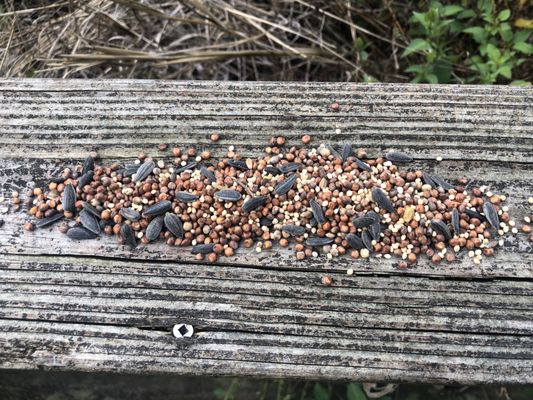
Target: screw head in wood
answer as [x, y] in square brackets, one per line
[182, 331]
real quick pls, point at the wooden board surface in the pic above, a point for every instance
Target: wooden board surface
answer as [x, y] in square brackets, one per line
[100, 306]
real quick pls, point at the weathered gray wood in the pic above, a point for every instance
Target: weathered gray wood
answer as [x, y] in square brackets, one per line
[265, 315]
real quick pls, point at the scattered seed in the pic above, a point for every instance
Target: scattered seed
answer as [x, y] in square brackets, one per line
[441, 182]
[269, 169]
[317, 241]
[440, 227]
[208, 174]
[88, 165]
[364, 221]
[85, 179]
[474, 214]
[238, 164]
[203, 248]
[174, 225]
[327, 280]
[89, 208]
[426, 178]
[382, 199]
[285, 185]
[346, 151]
[157, 209]
[362, 165]
[455, 221]
[290, 167]
[69, 198]
[130, 214]
[293, 230]
[367, 240]
[187, 167]
[90, 222]
[154, 228]
[79, 233]
[398, 156]
[375, 231]
[355, 241]
[492, 215]
[186, 197]
[254, 203]
[317, 211]
[128, 235]
[228, 195]
[144, 170]
[42, 223]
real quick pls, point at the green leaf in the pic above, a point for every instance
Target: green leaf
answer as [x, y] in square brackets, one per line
[523, 47]
[466, 14]
[505, 71]
[506, 32]
[432, 78]
[520, 83]
[504, 15]
[477, 32]
[417, 68]
[354, 392]
[219, 393]
[452, 10]
[493, 52]
[320, 393]
[416, 45]
[522, 35]
[421, 18]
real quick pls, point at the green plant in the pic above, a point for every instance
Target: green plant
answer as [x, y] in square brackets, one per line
[435, 26]
[493, 54]
[499, 47]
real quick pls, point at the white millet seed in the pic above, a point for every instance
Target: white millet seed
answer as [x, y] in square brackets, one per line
[349, 272]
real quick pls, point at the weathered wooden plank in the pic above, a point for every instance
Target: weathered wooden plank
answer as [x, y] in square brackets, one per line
[265, 314]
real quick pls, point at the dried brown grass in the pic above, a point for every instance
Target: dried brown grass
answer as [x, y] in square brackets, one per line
[200, 39]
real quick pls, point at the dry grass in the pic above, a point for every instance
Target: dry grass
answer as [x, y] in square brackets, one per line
[200, 39]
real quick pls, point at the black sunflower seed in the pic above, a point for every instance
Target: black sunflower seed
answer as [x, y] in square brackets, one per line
[89, 208]
[128, 235]
[354, 241]
[238, 164]
[254, 203]
[455, 221]
[440, 227]
[382, 200]
[203, 248]
[129, 170]
[104, 223]
[290, 167]
[79, 233]
[85, 179]
[346, 151]
[174, 225]
[285, 185]
[293, 230]
[362, 165]
[69, 198]
[318, 213]
[375, 231]
[42, 223]
[157, 209]
[367, 240]
[264, 221]
[316, 241]
[154, 228]
[269, 169]
[228, 195]
[130, 214]
[88, 165]
[374, 215]
[208, 174]
[428, 180]
[333, 151]
[398, 156]
[143, 171]
[90, 222]
[361, 222]
[59, 179]
[492, 215]
[442, 183]
[187, 167]
[474, 214]
[186, 197]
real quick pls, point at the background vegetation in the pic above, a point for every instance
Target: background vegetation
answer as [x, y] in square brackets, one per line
[463, 41]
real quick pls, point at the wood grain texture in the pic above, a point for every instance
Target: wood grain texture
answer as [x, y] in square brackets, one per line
[99, 306]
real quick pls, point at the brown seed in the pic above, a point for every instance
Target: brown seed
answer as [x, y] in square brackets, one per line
[28, 226]
[163, 146]
[228, 251]
[435, 259]
[280, 140]
[205, 155]
[306, 139]
[526, 229]
[334, 106]
[215, 137]
[212, 257]
[176, 152]
[327, 280]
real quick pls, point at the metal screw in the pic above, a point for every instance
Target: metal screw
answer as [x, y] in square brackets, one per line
[182, 331]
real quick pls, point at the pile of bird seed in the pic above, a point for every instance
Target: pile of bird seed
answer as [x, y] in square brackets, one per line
[324, 200]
